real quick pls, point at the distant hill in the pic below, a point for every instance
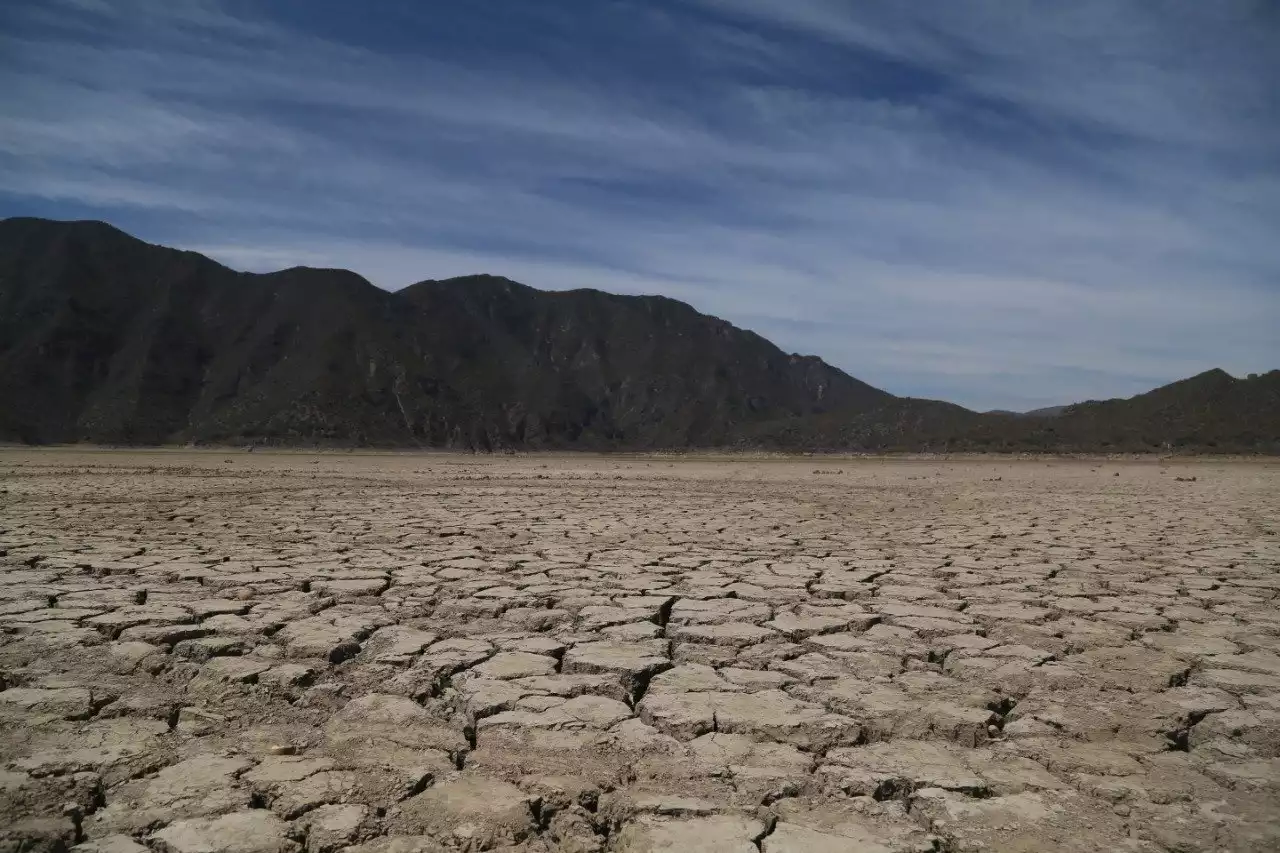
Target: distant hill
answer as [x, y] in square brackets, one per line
[1212, 411]
[1046, 412]
[105, 338]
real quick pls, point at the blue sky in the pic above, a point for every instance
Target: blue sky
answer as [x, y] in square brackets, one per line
[1004, 205]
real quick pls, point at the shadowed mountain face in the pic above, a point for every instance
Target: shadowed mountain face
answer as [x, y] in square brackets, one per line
[1210, 411]
[106, 338]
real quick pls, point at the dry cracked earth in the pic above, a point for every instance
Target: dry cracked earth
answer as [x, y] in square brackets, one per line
[224, 652]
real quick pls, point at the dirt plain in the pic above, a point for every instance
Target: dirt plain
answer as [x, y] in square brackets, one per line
[383, 653]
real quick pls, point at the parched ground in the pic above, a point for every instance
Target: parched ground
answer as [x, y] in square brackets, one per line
[224, 651]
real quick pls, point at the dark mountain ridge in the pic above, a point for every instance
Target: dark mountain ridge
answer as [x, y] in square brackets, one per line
[106, 338]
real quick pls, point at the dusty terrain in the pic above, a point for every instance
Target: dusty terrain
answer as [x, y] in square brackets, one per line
[223, 651]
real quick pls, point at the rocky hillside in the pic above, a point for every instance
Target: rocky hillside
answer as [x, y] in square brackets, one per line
[105, 338]
[1212, 411]
[1209, 413]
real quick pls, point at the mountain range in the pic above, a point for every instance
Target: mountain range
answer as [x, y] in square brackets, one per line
[107, 339]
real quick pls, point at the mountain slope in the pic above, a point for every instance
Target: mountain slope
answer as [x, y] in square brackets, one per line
[1213, 412]
[1210, 411]
[622, 369]
[106, 338]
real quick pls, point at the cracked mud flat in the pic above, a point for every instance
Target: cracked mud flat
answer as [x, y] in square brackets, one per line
[222, 651]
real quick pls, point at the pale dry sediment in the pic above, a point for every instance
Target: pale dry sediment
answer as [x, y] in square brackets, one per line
[224, 651]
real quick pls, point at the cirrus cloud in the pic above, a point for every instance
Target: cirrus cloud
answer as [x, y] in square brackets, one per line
[952, 200]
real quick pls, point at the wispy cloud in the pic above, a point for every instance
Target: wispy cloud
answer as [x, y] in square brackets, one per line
[955, 200]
